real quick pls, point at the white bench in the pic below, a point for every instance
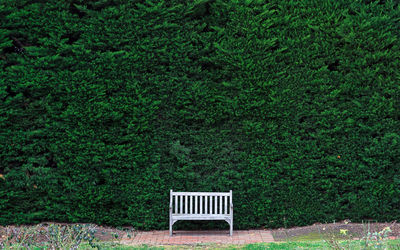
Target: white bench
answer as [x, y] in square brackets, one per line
[200, 206]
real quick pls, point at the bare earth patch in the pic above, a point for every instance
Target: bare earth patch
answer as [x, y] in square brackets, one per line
[319, 230]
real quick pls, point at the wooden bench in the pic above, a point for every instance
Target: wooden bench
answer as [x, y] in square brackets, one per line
[200, 206]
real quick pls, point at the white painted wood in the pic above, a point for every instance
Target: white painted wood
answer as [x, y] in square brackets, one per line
[186, 207]
[220, 205]
[195, 204]
[191, 204]
[170, 212]
[210, 205]
[205, 205]
[231, 213]
[201, 217]
[181, 204]
[176, 204]
[201, 204]
[215, 204]
[193, 210]
[170, 199]
[226, 202]
[201, 193]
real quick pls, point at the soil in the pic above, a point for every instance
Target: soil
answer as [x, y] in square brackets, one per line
[319, 231]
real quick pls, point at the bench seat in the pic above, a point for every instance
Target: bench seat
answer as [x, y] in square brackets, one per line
[201, 217]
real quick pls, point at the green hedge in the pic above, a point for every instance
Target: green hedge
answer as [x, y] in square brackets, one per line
[107, 105]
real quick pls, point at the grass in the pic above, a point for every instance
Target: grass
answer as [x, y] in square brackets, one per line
[392, 244]
[313, 236]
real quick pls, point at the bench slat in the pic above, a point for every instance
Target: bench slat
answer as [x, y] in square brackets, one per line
[176, 204]
[186, 207]
[226, 202]
[210, 205]
[215, 204]
[181, 204]
[195, 204]
[220, 205]
[191, 205]
[205, 204]
[201, 204]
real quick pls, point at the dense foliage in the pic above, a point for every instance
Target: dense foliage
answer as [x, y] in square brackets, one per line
[106, 105]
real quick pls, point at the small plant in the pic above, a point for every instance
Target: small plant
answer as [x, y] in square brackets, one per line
[376, 239]
[58, 236]
[53, 236]
[68, 236]
[130, 233]
[17, 237]
[336, 239]
[342, 239]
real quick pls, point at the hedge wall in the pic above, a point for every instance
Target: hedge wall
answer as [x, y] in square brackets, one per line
[107, 105]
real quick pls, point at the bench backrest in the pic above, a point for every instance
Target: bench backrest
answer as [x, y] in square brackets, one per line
[201, 203]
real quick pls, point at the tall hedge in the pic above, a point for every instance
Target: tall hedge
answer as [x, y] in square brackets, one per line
[107, 105]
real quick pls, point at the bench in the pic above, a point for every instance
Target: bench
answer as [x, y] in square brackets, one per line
[200, 206]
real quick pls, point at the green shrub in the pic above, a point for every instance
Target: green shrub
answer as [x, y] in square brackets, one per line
[107, 105]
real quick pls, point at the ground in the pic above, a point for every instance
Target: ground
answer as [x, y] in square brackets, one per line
[316, 232]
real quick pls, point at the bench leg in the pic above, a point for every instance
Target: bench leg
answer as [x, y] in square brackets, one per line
[231, 228]
[170, 228]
